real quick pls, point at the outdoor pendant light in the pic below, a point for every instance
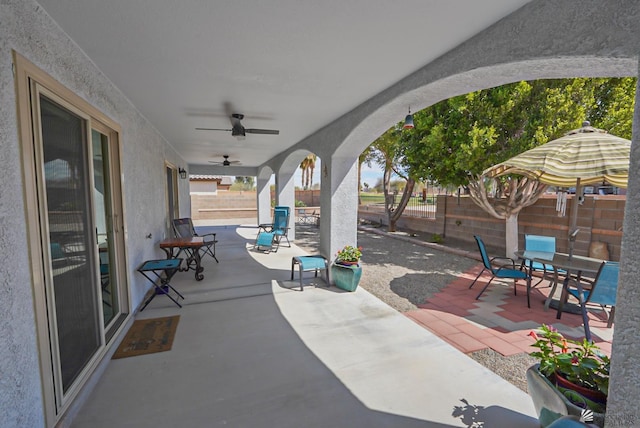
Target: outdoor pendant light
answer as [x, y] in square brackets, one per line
[408, 121]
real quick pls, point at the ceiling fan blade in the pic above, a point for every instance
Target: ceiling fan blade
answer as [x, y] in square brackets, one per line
[261, 131]
[212, 129]
[226, 161]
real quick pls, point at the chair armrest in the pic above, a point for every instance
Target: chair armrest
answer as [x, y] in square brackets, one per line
[207, 240]
[510, 262]
[267, 227]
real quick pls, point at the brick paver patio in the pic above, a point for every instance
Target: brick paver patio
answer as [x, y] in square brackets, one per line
[499, 320]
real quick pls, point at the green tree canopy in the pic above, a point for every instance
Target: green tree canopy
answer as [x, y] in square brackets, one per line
[464, 135]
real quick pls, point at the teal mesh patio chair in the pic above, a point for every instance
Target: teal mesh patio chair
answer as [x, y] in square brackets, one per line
[268, 227]
[542, 246]
[272, 234]
[183, 228]
[281, 227]
[507, 270]
[603, 291]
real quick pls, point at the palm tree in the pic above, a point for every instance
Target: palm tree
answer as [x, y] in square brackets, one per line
[307, 166]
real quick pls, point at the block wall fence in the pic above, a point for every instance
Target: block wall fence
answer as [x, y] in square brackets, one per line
[599, 219]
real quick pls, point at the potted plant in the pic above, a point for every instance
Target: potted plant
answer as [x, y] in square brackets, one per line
[345, 270]
[576, 372]
[349, 255]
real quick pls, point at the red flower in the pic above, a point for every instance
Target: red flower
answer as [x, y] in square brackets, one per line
[565, 347]
[533, 334]
[575, 360]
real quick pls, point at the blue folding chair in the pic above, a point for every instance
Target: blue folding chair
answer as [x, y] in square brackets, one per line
[273, 233]
[540, 245]
[268, 227]
[281, 227]
[603, 292]
[504, 271]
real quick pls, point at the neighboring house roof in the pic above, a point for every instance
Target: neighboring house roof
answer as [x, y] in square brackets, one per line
[219, 179]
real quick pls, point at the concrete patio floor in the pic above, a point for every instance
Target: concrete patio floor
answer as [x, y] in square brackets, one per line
[251, 350]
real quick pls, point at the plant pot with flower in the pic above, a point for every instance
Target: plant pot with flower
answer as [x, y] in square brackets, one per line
[346, 270]
[572, 378]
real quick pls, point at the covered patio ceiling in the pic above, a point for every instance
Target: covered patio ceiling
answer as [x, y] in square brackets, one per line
[286, 65]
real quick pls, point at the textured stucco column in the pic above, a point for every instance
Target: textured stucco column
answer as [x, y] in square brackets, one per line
[624, 387]
[286, 196]
[263, 195]
[338, 205]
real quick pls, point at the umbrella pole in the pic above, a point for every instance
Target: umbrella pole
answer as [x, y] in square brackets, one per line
[573, 230]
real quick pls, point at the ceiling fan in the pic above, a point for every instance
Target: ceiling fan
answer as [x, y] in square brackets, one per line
[226, 161]
[239, 131]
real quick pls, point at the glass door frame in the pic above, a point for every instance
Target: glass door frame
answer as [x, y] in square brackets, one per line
[30, 81]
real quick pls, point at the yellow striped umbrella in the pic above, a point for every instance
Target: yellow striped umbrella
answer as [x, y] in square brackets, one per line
[583, 156]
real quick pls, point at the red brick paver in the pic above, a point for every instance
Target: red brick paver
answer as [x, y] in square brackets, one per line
[498, 320]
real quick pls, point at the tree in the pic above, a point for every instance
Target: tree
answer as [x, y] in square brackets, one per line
[243, 183]
[460, 137]
[504, 198]
[366, 157]
[388, 153]
[307, 166]
[456, 139]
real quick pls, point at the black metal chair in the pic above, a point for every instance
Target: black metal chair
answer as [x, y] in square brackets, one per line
[183, 228]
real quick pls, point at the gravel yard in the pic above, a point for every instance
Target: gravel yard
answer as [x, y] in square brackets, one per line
[404, 274]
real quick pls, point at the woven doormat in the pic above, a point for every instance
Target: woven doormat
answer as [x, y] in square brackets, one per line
[148, 336]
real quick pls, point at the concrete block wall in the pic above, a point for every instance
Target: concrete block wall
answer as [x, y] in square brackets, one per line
[224, 205]
[458, 218]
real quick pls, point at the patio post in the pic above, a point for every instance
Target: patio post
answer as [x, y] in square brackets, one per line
[338, 204]
[263, 195]
[624, 386]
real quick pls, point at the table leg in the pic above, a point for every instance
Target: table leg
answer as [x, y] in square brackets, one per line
[169, 252]
[563, 296]
[163, 288]
[198, 260]
[553, 289]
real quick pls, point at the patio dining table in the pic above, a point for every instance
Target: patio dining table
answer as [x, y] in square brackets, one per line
[571, 266]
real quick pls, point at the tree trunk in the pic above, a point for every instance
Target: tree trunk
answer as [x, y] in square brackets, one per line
[397, 212]
[511, 232]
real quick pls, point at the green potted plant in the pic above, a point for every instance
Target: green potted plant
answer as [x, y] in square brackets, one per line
[576, 371]
[349, 255]
[345, 270]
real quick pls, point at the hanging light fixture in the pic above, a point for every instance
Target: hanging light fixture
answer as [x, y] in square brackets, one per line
[408, 121]
[183, 173]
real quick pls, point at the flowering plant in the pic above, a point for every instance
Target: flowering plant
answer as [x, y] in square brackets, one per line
[581, 363]
[349, 254]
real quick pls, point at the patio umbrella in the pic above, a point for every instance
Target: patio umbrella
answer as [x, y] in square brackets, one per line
[583, 156]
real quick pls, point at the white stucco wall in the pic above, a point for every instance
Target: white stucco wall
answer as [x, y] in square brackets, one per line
[27, 29]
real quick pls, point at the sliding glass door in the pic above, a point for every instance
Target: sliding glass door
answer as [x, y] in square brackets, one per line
[68, 215]
[74, 216]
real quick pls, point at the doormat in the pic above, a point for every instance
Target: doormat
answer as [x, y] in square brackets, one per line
[148, 336]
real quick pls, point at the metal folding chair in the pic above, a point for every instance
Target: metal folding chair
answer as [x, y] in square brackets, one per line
[183, 228]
